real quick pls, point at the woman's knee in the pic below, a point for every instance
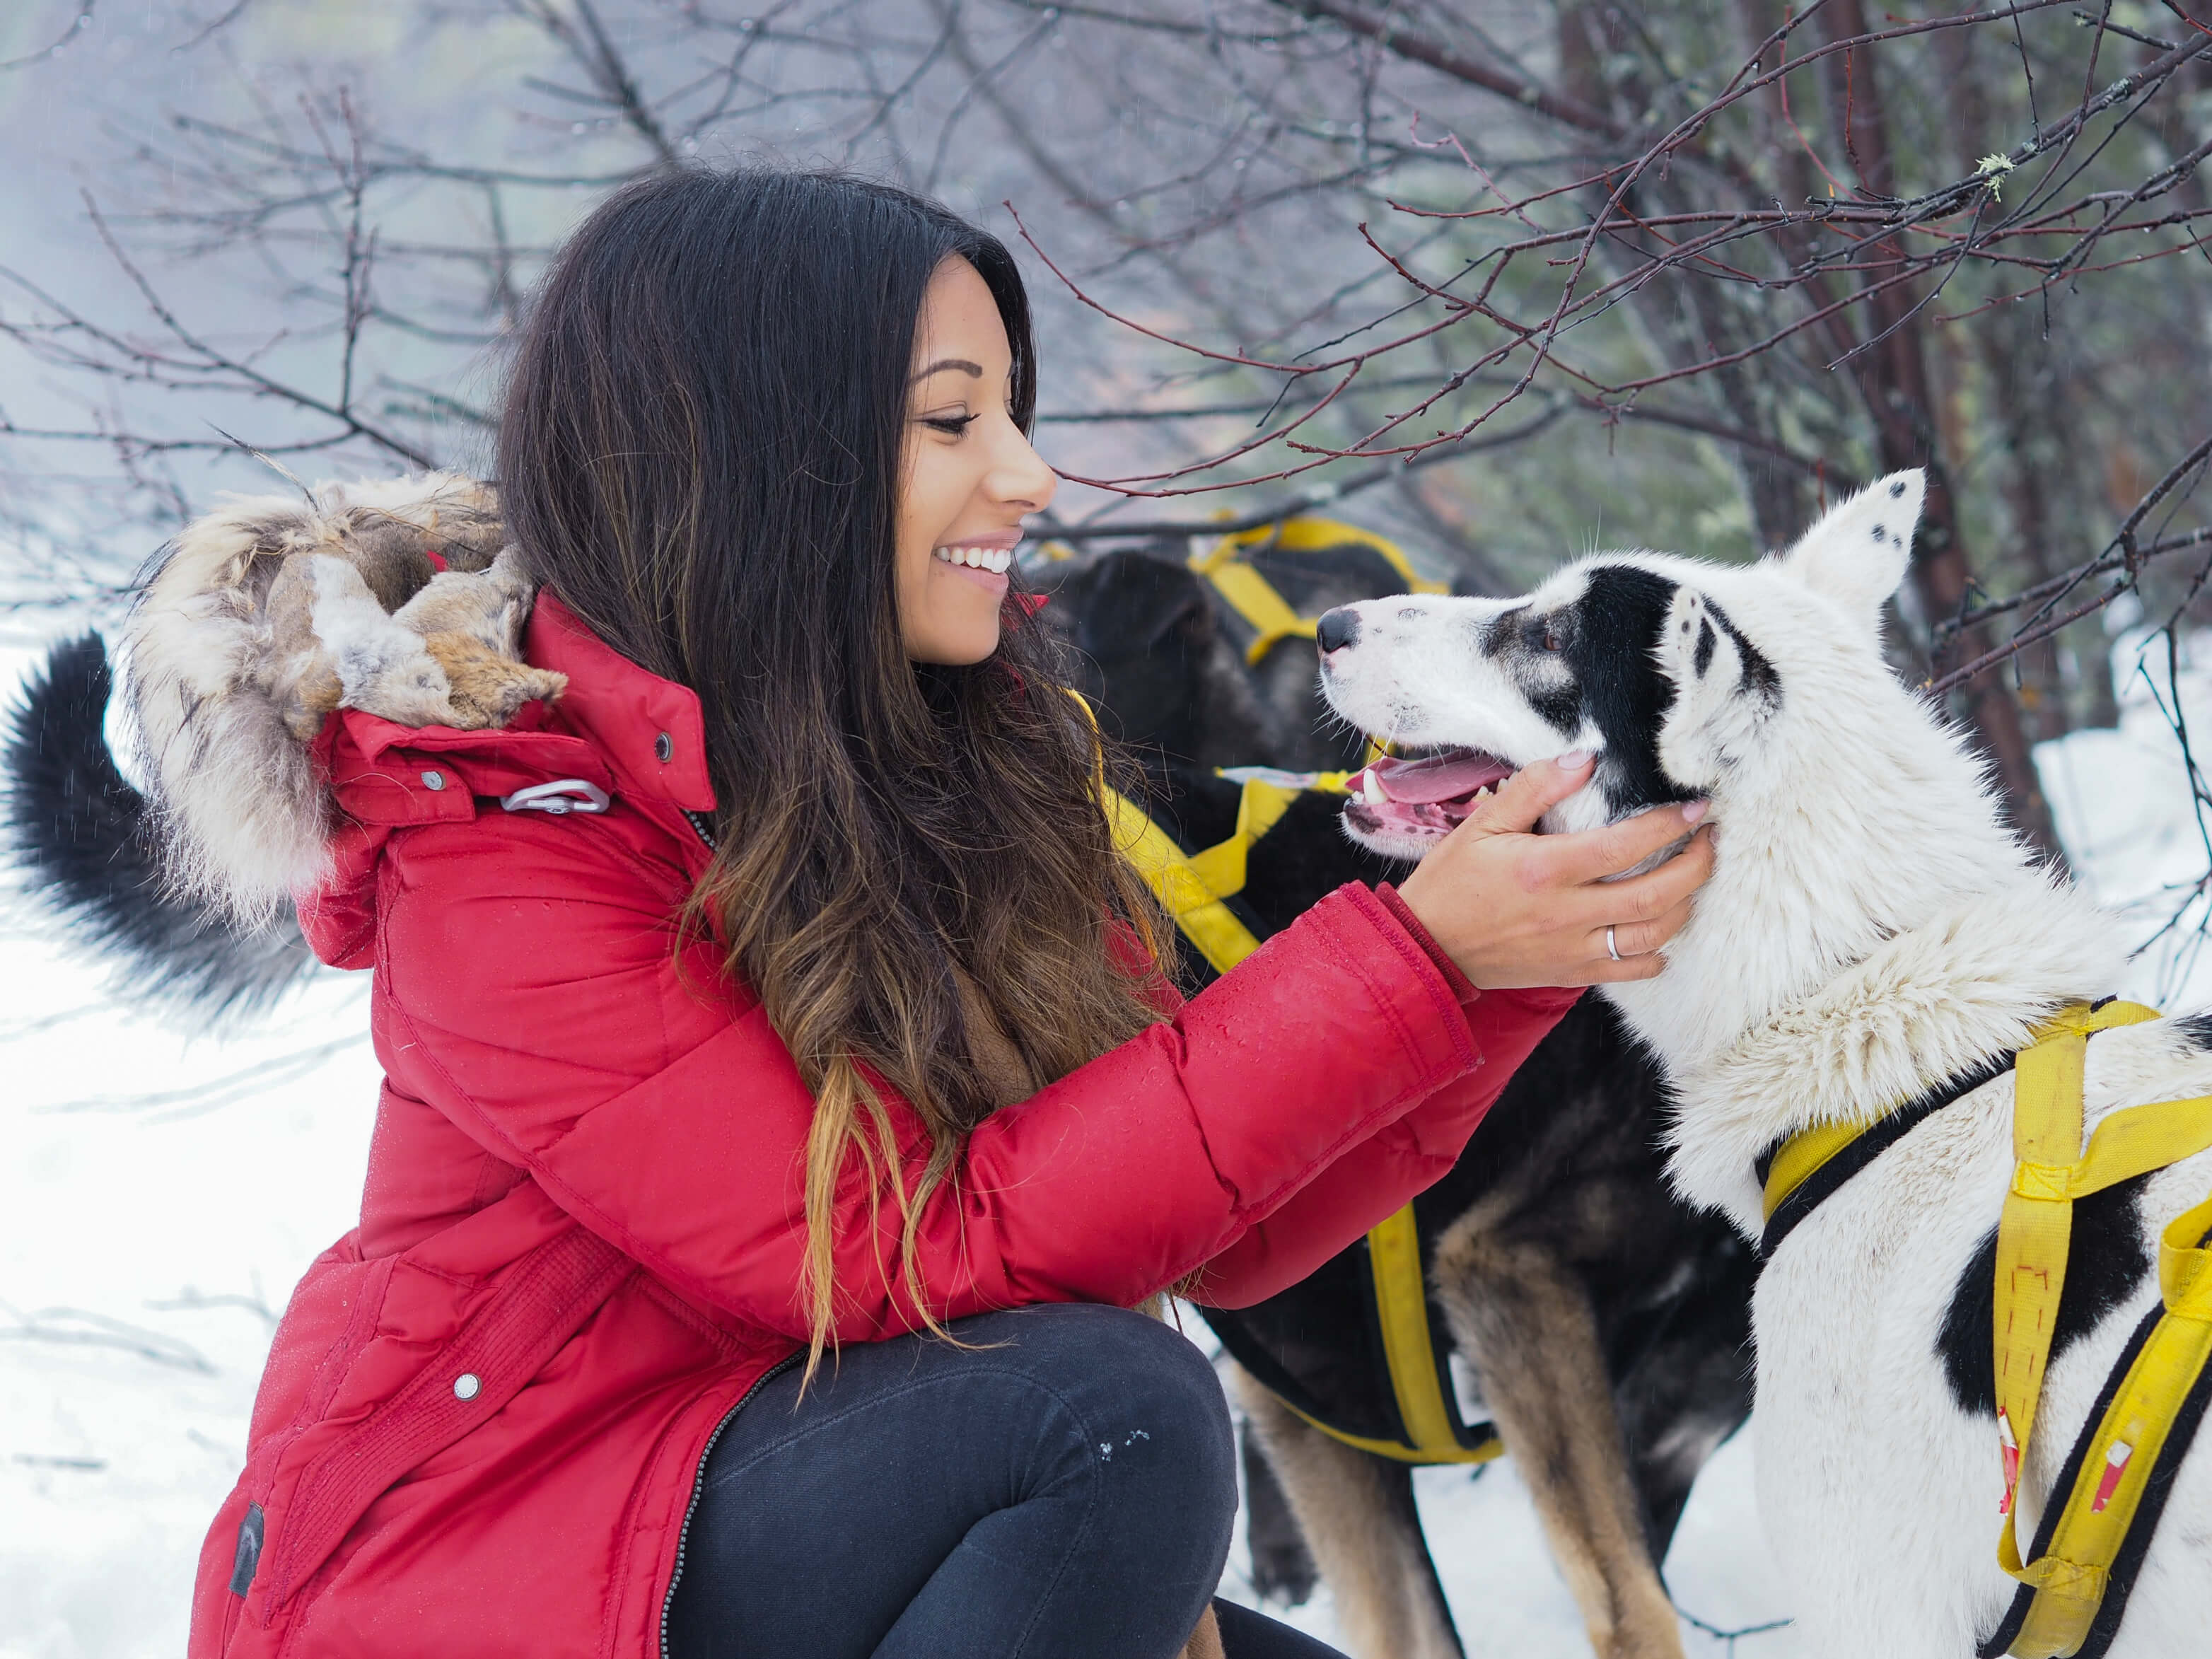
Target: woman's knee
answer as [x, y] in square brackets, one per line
[1111, 1354]
[1136, 1383]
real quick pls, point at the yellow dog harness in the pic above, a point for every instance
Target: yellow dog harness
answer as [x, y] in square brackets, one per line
[2112, 1486]
[1194, 886]
[1227, 568]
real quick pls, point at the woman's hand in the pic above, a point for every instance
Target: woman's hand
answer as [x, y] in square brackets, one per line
[1513, 908]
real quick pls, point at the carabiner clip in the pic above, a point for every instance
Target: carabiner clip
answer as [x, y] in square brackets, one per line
[562, 795]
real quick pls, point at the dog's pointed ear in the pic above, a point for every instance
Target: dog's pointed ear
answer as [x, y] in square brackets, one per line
[1860, 550]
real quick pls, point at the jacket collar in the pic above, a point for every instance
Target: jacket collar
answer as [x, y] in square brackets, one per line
[650, 730]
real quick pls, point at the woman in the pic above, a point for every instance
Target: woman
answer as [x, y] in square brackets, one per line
[825, 1073]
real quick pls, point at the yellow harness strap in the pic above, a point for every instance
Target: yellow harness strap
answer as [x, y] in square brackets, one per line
[1800, 1155]
[1180, 878]
[1254, 598]
[2050, 1172]
[1401, 1300]
[2118, 1459]
[2052, 1168]
[1192, 886]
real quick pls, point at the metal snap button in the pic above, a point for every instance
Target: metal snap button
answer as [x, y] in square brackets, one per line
[433, 780]
[663, 748]
[467, 1386]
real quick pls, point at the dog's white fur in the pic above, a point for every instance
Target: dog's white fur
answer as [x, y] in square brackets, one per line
[1870, 929]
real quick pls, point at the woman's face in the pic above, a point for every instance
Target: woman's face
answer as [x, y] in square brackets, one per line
[970, 474]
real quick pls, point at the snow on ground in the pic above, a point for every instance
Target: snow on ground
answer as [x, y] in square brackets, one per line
[2121, 796]
[154, 1216]
[1507, 1597]
[161, 1190]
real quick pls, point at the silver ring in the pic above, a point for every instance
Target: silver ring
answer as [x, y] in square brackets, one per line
[1611, 949]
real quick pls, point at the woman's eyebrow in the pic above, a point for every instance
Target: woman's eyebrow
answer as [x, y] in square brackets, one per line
[961, 363]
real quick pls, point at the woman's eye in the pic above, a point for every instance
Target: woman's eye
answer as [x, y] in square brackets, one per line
[951, 425]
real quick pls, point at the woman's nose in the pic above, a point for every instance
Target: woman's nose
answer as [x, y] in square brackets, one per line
[1022, 474]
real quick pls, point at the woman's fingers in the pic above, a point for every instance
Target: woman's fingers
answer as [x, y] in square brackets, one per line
[1510, 912]
[1605, 971]
[1651, 895]
[1593, 854]
[1532, 791]
[1639, 938]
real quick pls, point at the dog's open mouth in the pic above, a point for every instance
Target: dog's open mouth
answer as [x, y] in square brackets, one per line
[1422, 798]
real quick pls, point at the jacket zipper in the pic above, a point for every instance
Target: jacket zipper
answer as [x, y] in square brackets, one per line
[699, 1484]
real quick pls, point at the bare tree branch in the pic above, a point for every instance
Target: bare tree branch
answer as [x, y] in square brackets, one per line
[77, 25]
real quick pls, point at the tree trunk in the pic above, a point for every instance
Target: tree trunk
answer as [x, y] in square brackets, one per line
[1687, 322]
[1892, 379]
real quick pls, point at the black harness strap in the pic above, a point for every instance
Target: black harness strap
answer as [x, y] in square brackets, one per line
[1878, 1138]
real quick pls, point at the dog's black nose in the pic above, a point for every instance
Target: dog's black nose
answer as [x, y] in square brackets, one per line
[1337, 628]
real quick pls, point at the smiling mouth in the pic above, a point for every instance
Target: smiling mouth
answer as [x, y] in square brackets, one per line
[1424, 799]
[993, 560]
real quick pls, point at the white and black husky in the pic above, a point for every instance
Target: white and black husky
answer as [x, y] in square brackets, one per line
[1871, 930]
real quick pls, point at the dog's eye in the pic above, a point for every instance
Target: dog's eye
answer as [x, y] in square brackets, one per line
[1551, 636]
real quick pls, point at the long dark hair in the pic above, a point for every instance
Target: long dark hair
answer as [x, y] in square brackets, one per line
[701, 454]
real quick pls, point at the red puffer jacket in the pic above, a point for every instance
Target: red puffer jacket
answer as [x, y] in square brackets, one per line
[486, 1408]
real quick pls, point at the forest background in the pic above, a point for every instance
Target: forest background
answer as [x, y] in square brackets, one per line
[1517, 280]
[1506, 283]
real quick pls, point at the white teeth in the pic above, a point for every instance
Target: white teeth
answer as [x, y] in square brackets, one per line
[993, 559]
[1369, 791]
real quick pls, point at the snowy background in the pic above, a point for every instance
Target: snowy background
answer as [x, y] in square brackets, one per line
[161, 1190]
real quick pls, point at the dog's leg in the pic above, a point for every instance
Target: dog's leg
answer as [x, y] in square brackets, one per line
[1282, 1566]
[1686, 1393]
[1527, 1323]
[1358, 1515]
[1206, 1641]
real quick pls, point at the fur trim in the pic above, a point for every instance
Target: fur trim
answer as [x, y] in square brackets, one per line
[1923, 1005]
[266, 615]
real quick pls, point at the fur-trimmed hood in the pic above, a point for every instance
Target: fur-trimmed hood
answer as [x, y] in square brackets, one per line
[402, 599]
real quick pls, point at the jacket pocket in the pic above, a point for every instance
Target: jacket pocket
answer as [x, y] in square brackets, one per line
[545, 1299]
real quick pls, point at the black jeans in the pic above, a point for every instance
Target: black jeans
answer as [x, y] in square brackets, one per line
[1062, 1488]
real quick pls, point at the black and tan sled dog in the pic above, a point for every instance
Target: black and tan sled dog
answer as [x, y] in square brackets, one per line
[1569, 1301]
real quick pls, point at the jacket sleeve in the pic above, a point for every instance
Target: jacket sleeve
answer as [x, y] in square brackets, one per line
[1390, 1168]
[530, 987]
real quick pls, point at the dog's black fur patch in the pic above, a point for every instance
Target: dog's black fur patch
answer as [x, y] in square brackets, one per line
[2195, 1030]
[1608, 635]
[1142, 638]
[1592, 662]
[2105, 1264]
[1758, 675]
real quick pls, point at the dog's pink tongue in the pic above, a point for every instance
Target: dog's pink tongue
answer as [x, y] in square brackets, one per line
[1437, 777]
